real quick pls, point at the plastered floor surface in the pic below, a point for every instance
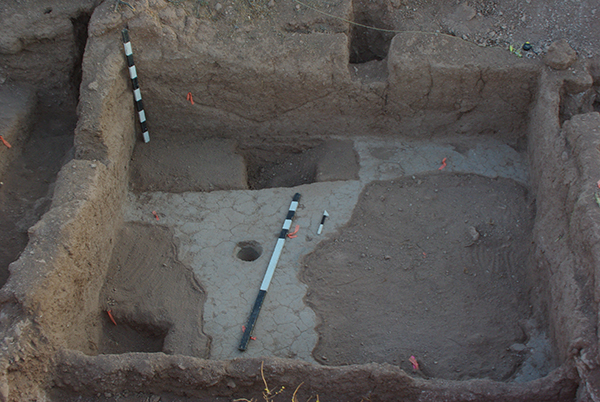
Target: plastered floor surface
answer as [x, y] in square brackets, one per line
[209, 226]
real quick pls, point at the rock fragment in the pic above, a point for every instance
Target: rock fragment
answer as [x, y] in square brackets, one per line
[474, 233]
[560, 55]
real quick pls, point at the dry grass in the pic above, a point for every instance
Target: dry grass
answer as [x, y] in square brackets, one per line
[269, 395]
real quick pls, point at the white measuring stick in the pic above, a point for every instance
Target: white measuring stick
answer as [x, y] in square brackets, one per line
[325, 215]
[137, 94]
[269, 274]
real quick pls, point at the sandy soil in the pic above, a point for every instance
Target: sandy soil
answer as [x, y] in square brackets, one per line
[433, 266]
[155, 300]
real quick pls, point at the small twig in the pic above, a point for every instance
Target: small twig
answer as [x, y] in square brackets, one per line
[294, 399]
[262, 374]
[119, 2]
[268, 394]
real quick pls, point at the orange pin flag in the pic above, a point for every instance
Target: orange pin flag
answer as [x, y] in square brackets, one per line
[443, 164]
[414, 362]
[293, 235]
[111, 317]
[5, 142]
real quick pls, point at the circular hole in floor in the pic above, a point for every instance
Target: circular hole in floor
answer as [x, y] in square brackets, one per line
[249, 250]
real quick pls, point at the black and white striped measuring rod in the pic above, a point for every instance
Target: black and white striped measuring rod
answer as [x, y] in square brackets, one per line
[287, 224]
[137, 94]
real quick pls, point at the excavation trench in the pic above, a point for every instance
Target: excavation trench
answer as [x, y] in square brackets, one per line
[447, 240]
[38, 124]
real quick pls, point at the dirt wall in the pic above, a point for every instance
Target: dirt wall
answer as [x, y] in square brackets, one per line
[262, 80]
[17, 105]
[52, 293]
[41, 44]
[564, 168]
[582, 134]
[442, 85]
[144, 374]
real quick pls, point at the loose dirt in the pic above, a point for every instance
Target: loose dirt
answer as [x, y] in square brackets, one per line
[433, 266]
[155, 300]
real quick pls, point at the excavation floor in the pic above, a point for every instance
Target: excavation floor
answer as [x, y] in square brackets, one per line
[26, 187]
[434, 267]
[413, 260]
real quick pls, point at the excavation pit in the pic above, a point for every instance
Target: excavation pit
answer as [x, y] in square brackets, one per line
[459, 230]
[248, 251]
[289, 166]
[367, 44]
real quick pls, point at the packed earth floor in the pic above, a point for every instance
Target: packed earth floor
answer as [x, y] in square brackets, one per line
[444, 247]
[429, 224]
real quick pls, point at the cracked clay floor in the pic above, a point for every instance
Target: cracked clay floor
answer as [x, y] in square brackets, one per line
[208, 227]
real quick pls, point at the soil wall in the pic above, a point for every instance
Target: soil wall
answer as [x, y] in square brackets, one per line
[259, 80]
[52, 295]
[41, 47]
[17, 103]
[564, 172]
[41, 44]
[187, 377]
